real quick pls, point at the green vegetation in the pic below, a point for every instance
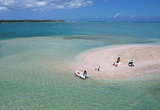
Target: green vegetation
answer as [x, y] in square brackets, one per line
[23, 21]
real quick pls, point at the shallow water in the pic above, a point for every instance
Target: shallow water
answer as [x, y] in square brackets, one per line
[34, 73]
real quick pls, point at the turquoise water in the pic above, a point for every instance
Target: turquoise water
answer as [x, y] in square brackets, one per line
[34, 73]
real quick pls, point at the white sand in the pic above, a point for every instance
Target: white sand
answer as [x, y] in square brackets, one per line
[146, 61]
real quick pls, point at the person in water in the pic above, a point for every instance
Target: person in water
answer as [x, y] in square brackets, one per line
[131, 63]
[118, 60]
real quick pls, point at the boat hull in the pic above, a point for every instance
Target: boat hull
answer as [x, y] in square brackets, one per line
[81, 74]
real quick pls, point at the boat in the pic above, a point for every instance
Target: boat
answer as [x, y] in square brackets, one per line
[117, 64]
[81, 74]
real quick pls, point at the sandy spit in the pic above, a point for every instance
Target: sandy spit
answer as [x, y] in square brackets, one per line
[146, 61]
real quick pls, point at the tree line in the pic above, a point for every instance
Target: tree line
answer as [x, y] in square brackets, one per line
[17, 21]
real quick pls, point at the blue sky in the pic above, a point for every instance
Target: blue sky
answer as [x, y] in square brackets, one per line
[81, 10]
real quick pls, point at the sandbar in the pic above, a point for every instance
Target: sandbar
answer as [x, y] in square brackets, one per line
[146, 61]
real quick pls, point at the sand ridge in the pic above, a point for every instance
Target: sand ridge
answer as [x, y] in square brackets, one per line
[146, 60]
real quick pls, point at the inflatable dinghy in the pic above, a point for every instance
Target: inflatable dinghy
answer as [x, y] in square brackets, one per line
[117, 64]
[81, 74]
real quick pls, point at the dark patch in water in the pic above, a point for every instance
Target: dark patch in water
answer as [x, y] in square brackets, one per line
[89, 37]
[111, 40]
[143, 42]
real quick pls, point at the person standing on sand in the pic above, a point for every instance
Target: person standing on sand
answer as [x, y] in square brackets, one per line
[85, 72]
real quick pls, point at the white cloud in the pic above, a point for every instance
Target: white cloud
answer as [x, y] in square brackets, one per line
[96, 16]
[7, 2]
[118, 15]
[59, 7]
[43, 5]
[3, 8]
[89, 3]
[29, 5]
[132, 16]
[75, 5]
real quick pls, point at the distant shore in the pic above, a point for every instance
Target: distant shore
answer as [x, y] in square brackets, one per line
[24, 21]
[146, 61]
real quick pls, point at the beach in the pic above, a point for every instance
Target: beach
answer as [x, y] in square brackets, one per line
[146, 61]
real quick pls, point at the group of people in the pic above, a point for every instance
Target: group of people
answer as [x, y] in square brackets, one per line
[118, 60]
[129, 64]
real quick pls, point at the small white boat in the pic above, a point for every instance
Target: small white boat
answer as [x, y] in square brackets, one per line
[117, 64]
[81, 74]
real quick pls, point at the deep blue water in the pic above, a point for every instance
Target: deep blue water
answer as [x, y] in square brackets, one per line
[134, 29]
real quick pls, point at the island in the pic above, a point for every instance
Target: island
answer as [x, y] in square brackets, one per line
[23, 21]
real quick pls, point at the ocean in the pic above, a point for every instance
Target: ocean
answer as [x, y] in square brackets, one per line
[34, 74]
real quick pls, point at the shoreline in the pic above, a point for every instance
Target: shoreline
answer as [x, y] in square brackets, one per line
[146, 60]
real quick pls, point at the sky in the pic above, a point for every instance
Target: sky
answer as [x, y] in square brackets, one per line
[81, 10]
